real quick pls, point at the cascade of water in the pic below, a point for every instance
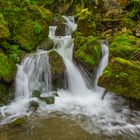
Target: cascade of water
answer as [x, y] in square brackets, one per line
[103, 63]
[71, 26]
[33, 74]
[64, 46]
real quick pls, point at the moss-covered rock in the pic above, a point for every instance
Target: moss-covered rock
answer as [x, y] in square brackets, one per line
[7, 68]
[4, 30]
[122, 77]
[85, 23]
[18, 122]
[124, 45]
[57, 69]
[87, 51]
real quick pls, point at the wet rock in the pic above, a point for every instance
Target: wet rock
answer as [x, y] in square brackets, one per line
[61, 30]
[33, 105]
[57, 70]
[18, 122]
[47, 44]
[36, 93]
[48, 99]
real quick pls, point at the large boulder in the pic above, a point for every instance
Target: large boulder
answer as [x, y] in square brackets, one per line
[122, 77]
[57, 70]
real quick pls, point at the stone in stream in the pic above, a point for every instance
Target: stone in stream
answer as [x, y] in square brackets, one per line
[33, 105]
[36, 93]
[48, 99]
[55, 94]
[18, 122]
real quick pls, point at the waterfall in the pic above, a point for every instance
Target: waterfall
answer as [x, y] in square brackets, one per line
[83, 104]
[103, 63]
[64, 46]
[33, 74]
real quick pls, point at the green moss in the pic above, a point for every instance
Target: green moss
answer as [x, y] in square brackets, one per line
[33, 105]
[7, 68]
[87, 51]
[4, 31]
[124, 45]
[122, 77]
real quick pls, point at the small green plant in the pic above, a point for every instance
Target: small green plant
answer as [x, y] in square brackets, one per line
[37, 28]
[122, 75]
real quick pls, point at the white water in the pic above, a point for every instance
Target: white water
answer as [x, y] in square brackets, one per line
[78, 101]
[103, 63]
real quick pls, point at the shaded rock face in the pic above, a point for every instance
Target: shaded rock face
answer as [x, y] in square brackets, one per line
[122, 77]
[57, 70]
[6, 93]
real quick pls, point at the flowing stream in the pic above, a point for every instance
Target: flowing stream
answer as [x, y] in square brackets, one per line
[78, 105]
